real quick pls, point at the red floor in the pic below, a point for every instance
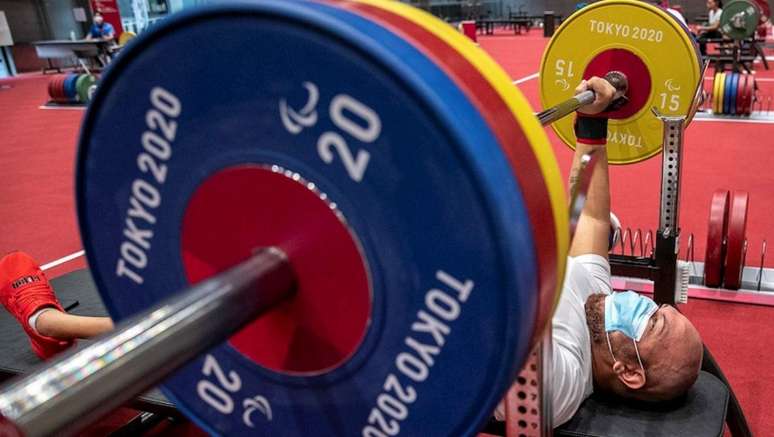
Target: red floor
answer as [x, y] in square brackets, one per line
[37, 150]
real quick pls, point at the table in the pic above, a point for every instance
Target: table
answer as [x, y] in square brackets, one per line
[93, 50]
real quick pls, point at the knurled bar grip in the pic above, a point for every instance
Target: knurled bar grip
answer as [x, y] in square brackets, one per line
[566, 108]
[143, 350]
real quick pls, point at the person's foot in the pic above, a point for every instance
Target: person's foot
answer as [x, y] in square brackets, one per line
[24, 290]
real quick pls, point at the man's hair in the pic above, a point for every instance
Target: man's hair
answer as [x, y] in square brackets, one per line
[99, 14]
[595, 317]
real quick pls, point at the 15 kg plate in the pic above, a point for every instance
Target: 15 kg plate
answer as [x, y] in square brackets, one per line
[400, 155]
[642, 41]
[722, 93]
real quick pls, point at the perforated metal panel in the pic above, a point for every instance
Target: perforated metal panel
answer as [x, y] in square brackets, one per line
[528, 402]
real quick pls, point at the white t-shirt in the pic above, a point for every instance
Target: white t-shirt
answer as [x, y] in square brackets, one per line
[571, 378]
[714, 16]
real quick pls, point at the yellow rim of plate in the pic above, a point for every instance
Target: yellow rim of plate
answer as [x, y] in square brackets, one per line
[521, 110]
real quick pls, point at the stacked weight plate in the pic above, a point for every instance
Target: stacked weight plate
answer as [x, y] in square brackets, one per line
[733, 93]
[57, 90]
[726, 239]
[408, 181]
[71, 88]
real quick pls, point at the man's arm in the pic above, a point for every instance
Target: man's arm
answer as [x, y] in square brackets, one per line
[593, 230]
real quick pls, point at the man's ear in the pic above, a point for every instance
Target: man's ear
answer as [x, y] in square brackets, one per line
[632, 377]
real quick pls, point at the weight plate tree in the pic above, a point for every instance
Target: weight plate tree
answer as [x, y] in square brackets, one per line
[636, 47]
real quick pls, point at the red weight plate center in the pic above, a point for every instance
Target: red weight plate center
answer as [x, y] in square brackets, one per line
[242, 208]
[636, 72]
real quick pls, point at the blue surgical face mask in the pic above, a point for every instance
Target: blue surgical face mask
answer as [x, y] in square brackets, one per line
[629, 313]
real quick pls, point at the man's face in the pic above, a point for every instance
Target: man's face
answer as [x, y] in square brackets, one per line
[670, 341]
[670, 348]
[98, 19]
[710, 4]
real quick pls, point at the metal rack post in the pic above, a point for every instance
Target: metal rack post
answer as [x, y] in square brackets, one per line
[662, 269]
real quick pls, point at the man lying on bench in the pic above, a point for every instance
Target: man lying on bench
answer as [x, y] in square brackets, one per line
[619, 343]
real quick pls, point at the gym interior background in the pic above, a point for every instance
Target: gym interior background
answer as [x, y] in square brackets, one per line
[39, 132]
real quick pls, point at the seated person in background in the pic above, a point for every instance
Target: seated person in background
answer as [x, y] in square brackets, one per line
[100, 29]
[674, 12]
[713, 24]
[679, 16]
[616, 342]
[26, 293]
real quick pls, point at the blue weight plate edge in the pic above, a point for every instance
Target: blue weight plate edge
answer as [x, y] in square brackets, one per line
[732, 103]
[727, 93]
[67, 85]
[734, 93]
[70, 90]
[495, 195]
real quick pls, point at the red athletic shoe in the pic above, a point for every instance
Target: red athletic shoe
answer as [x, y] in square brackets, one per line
[24, 289]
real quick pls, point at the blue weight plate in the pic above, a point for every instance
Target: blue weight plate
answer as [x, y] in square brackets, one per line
[434, 209]
[727, 94]
[69, 86]
[734, 94]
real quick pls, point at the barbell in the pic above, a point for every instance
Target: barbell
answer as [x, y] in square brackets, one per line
[369, 211]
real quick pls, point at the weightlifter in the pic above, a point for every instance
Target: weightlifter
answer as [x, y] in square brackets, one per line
[619, 343]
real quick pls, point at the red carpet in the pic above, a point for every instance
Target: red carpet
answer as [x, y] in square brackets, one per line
[737, 335]
[38, 156]
[38, 151]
